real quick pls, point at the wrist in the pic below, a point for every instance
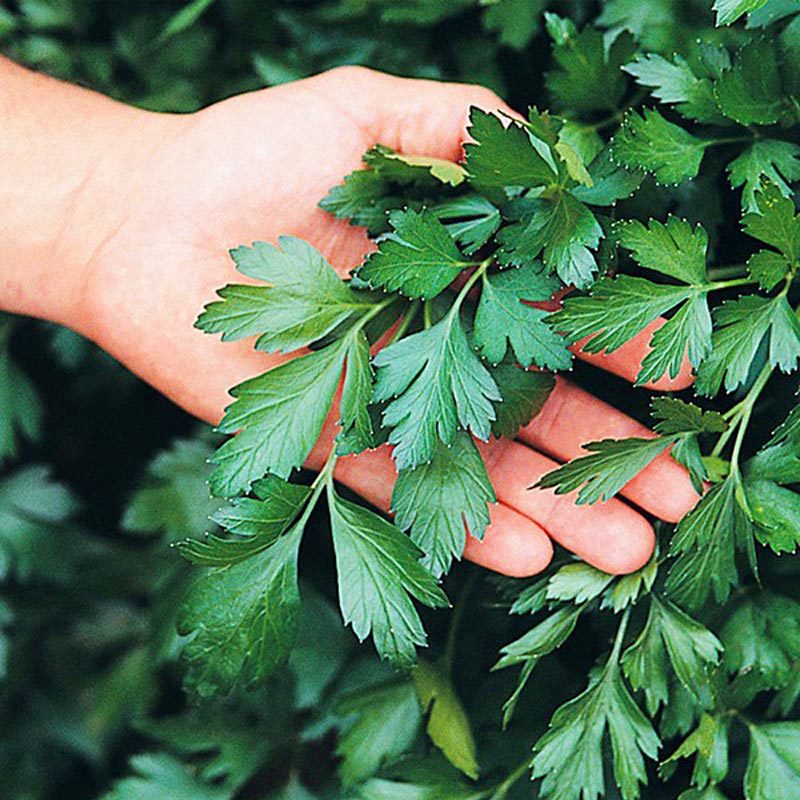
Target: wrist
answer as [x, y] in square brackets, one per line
[73, 157]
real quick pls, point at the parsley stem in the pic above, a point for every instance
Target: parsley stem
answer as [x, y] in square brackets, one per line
[502, 788]
[717, 285]
[455, 622]
[470, 282]
[405, 322]
[426, 314]
[613, 659]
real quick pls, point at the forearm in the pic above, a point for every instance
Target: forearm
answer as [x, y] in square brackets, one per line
[65, 154]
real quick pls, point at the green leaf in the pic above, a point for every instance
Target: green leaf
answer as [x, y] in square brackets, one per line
[242, 618]
[587, 75]
[650, 142]
[578, 583]
[569, 756]
[435, 502]
[355, 420]
[367, 195]
[173, 498]
[610, 182]
[380, 724]
[729, 11]
[709, 744]
[611, 464]
[256, 524]
[416, 779]
[418, 259]
[773, 768]
[524, 395]
[470, 219]
[279, 416]
[502, 155]
[674, 82]
[35, 520]
[788, 430]
[768, 268]
[564, 231]
[770, 159]
[159, 775]
[503, 317]
[629, 589]
[616, 310]
[515, 21]
[776, 512]
[305, 301]
[439, 385]
[448, 724]
[686, 421]
[705, 544]
[743, 325]
[670, 633]
[762, 636]
[750, 93]
[541, 640]
[674, 249]
[379, 572]
[184, 18]
[775, 223]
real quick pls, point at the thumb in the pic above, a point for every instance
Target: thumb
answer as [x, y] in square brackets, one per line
[412, 116]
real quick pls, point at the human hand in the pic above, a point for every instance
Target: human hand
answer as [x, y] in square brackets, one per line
[255, 167]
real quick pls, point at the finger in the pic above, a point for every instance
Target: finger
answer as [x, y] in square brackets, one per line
[572, 417]
[626, 361]
[610, 536]
[410, 115]
[513, 544]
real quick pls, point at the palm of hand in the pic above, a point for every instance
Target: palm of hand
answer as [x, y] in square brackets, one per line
[255, 167]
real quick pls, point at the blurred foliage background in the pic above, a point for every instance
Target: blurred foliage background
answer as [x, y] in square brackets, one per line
[99, 474]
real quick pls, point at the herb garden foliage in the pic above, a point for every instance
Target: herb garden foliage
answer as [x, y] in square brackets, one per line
[661, 181]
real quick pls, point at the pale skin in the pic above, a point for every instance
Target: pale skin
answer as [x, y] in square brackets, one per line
[117, 223]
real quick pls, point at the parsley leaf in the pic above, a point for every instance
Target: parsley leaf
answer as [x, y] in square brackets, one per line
[648, 141]
[743, 325]
[524, 395]
[775, 223]
[448, 724]
[569, 756]
[504, 317]
[587, 76]
[471, 220]
[705, 544]
[418, 259]
[243, 614]
[439, 385]
[379, 724]
[610, 465]
[563, 230]
[305, 301]
[670, 633]
[379, 572]
[773, 768]
[173, 497]
[502, 155]
[729, 11]
[674, 82]
[771, 159]
[762, 637]
[160, 775]
[438, 500]
[750, 92]
[279, 416]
